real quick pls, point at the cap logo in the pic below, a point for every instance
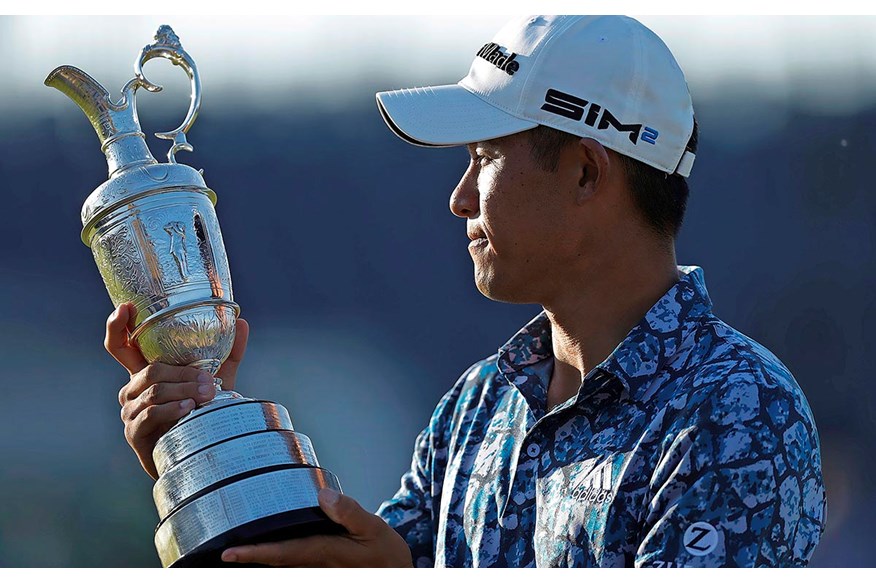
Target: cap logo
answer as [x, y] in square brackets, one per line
[572, 107]
[492, 53]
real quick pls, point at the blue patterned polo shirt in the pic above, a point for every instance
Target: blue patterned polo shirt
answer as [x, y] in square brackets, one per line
[690, 445]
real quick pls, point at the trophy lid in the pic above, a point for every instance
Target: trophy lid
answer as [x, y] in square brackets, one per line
[137, 182]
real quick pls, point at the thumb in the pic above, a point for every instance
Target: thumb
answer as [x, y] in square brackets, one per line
[347, 512]
[228, 371]
[117, 343]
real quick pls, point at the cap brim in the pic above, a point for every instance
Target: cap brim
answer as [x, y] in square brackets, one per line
[445, 115]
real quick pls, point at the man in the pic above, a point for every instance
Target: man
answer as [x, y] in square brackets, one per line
[625, 425]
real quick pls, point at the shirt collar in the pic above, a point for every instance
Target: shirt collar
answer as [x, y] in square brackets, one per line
[644, 351]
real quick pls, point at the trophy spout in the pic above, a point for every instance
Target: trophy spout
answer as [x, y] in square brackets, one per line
[116, 124]
[91, 97]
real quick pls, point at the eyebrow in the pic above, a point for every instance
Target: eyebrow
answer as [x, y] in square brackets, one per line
[490, 145]
[487, 144]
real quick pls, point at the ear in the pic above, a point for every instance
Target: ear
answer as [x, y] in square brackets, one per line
[594, 166]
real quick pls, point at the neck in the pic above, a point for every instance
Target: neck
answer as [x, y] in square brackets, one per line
[596, 313]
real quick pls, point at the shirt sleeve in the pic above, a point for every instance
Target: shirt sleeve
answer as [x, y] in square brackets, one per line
[739, 486]
[410, 511]
[413, 510]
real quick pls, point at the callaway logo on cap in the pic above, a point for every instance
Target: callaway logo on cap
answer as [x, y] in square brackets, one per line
[605, 77]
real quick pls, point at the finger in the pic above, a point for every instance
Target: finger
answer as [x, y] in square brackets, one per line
[280, 553]
[307, 551]
[148, 465]
[116, 340]
[162, 393]
[155, 420]
[155, 373]
[228, 371]
[347, 512]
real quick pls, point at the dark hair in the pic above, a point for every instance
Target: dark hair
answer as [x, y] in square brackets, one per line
[660, 197]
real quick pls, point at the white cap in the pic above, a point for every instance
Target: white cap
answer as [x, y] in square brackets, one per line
[609, 78]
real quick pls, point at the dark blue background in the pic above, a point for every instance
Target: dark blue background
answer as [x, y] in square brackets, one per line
[357, 283]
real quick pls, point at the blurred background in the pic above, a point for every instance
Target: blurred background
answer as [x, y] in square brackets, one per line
[355, 276]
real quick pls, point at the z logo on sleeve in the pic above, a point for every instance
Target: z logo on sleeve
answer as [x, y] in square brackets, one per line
[700, 538]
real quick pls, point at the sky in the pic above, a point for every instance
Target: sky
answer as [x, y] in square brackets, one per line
[823, 64]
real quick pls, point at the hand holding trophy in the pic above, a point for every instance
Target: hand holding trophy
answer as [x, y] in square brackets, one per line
[232, 471]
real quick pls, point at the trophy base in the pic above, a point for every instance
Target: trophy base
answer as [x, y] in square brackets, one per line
[234, 472]
[288, 525]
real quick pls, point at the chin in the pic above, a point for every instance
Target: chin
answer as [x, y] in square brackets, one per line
[501, 291]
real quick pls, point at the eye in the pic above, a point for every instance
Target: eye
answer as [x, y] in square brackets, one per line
[482, 159]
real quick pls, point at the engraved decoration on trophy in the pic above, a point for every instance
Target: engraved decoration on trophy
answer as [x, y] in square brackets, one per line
[233, 470]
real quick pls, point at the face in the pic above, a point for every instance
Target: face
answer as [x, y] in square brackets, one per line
[520, 218]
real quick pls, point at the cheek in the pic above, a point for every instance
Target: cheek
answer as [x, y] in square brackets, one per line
[521, 212]
[493, 204]
[487, 185]
[536, 227]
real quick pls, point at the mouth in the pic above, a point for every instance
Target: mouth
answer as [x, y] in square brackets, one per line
[475, 234]
[477, 237]
[478, 240]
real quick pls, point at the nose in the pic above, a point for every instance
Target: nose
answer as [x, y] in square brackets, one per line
[464, 199]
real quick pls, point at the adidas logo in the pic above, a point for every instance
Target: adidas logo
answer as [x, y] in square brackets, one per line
[595, 489]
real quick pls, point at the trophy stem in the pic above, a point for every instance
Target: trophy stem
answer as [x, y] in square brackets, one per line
[211, 366]
[222, 394]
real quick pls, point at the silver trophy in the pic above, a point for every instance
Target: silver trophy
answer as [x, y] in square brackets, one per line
[233, 470]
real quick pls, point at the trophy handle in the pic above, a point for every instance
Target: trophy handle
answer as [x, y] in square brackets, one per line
[167, 45]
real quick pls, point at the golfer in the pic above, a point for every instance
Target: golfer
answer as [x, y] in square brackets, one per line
[624, 425]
